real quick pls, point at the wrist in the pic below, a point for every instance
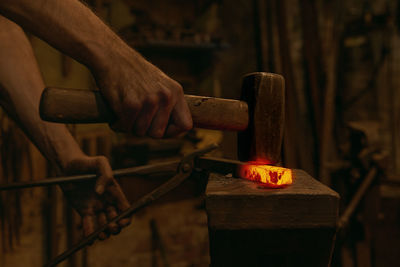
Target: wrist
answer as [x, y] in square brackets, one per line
[117, 61]
[67, 159]
[63, 148]
[110, 56]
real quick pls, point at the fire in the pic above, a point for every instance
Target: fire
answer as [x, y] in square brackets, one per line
[268, 176]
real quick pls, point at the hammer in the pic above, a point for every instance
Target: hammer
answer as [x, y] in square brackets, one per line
[258, 116]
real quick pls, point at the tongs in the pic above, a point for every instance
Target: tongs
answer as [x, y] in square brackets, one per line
[184, 170]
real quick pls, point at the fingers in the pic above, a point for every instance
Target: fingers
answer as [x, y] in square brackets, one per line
[112, 227]
[88, 223]
[118, 196]
[146, 115]
[124, 222]
[114, 196]
[161, 118]
[181, 119]
[173, 116]
[146, 109]
[97, 203]
[127, 114]
[122, 203]
[102, 220]
[111, 214]
[104, 171]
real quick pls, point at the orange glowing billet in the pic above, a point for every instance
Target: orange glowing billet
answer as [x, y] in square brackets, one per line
[267, 175]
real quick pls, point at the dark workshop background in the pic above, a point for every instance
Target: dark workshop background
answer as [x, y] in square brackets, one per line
[341, 63]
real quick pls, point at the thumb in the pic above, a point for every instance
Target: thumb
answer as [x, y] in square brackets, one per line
[180, 121]
[105, 175]
[100, 186]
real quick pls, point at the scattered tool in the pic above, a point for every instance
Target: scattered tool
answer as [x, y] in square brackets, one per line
[184, 170]
[259, 117]
[266, 175]
[79, 178]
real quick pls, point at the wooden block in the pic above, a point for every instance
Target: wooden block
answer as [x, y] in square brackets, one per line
[240, 204]
[254, 226]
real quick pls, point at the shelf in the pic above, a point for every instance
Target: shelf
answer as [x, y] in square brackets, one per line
[182, 47]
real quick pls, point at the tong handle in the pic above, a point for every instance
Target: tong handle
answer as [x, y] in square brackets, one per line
[184, 170]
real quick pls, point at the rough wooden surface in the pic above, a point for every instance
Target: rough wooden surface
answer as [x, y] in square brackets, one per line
[254, 226]
[240, 204]
[88, 106]
[218, 113]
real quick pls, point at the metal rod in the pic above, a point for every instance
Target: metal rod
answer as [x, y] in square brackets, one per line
[184, 170]
[142, 202]
[78, 178]
[219, 165]
[212, 164]
[344, 219]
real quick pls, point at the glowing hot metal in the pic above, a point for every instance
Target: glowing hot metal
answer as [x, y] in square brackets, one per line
[268, 176]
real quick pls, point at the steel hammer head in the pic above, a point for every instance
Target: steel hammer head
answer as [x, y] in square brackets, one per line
[265, 96]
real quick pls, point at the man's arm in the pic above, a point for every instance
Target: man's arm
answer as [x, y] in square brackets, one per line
[145, 100]
[21, 86]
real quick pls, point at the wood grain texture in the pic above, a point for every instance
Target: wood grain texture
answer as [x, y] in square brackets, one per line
[240, 204]
[88, 106]
[74, 106]
[218, 113]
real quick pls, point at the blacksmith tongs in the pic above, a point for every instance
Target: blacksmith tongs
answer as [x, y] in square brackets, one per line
[184, 170]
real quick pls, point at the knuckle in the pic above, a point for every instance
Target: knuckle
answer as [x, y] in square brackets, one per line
[131, 105]
[187, 126]
[166, 96]
[178, 87]
[180, 90]
[151, 100]
[115, 230]
[111, 211]
[125, 222]
[102, 236]
[175, 88]
[101, 160]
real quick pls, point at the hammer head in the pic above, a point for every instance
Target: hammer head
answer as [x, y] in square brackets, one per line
[262, 140]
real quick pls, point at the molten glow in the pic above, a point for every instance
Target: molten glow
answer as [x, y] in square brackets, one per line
[268, 176]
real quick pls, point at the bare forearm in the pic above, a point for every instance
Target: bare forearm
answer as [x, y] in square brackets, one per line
[69, 26]
[21, 86]
[144, 99]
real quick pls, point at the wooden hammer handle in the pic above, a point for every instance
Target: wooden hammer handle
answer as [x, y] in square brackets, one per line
[87, 106]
